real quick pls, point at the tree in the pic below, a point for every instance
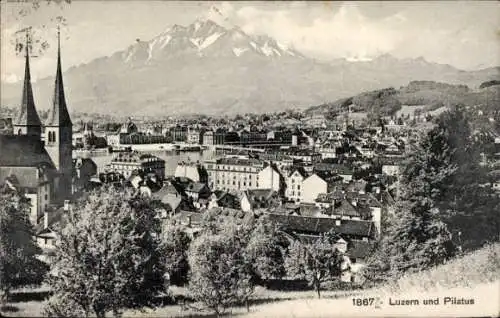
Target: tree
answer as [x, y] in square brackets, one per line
[417, 238]
[220, 274]
[176, 244]
[19, 265]
[318, 262]
[265, 251]
[468, 193]
[263, 244]
[108, 256]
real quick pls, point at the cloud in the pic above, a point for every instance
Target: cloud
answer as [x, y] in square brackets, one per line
[358, 31]
[344, 32]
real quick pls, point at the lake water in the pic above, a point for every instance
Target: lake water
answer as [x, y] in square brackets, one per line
[172, 158]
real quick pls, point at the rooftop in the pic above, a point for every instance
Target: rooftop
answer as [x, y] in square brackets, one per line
[135, 157]
[23, 151]
[240, 161]
[323, 225]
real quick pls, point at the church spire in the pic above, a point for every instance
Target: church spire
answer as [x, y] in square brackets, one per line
[28, 120]
[59, 115]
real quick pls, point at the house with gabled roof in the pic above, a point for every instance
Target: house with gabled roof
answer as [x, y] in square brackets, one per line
[255, 199]
[293, 183]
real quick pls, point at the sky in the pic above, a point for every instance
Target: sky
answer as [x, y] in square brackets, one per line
[463, 34]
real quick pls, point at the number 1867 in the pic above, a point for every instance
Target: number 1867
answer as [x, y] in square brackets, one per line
[363, 301]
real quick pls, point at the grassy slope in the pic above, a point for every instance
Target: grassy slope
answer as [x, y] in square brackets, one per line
[476, 276]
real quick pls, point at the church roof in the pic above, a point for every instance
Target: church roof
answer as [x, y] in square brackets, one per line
[23, 151]
[28, 115]
[58, 115]
[25, 177]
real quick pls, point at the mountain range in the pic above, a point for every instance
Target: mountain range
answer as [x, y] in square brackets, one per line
[207, 68]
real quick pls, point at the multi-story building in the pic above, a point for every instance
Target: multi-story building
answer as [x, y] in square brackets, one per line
[317, 183]
[191, 170]
[194, 136]
[208, 138]
[255, 136]
[127, 162]
[294, 184]
[281, 161]
[328, 149]
[304, 155]
[241, 173]
[179, 133]
[340, 169]
[219, 136]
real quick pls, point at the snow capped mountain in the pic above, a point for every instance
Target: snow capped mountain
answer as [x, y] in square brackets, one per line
[205, 38]
[217, 68]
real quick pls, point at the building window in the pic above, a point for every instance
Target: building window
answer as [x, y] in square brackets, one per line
[46, 196]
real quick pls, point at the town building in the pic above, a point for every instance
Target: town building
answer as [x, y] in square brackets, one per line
[6, 127]
[126, 163]
[179, 133]
[84, 169]
[191, 170]
[194, 136]
[294, 182]
[255, 199]
[241, 173]
[208, 138]
[305, 155]
[129, 127]
[391, 166]
[197, 191]
[340, 169]
[316, 183]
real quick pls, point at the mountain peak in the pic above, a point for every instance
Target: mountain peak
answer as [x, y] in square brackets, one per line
[205, 37]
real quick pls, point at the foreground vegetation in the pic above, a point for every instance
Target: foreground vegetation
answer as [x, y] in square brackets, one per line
[476, 275]
[476, 272]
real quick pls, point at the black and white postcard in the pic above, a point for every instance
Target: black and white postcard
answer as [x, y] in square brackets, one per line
[249, 158]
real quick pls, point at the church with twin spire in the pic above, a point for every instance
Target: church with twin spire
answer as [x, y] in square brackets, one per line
[37, 158]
